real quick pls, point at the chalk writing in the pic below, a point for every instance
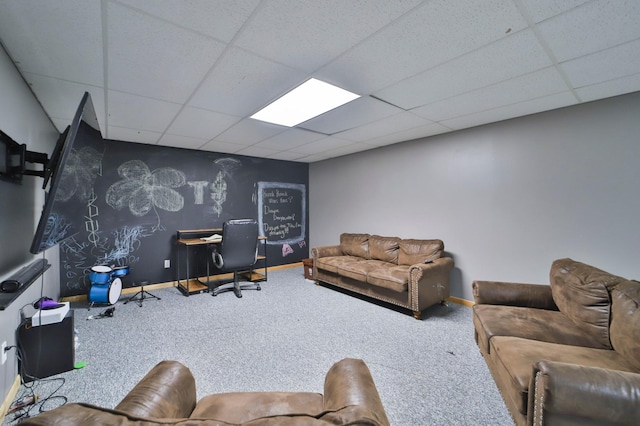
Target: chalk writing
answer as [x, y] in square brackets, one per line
[91, 225]
[282, 212]
[218, 193]
[198, 190]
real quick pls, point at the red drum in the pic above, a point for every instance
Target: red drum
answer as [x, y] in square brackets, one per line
[100, 274]
[109, 293]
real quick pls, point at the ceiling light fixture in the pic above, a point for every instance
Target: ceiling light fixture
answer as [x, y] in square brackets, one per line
[310, 99]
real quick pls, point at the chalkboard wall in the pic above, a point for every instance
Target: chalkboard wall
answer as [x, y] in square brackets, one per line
[143, 194]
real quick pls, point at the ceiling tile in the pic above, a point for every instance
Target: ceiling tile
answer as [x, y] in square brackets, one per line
[321, 145]
[137, 112]
[225, 147]
[314, 32]
[200, 123]
[181, 141]
[530, 86]
[256, 151]
[544, 103]
[287, 156]
[290, 138]
[508, 57]
[437, 32]
[203, 16]
[249, 131]
[409, 134]
[594, 26]
[383, 127]
[242, 83]
[60, 98]
[349, 149]
[355, 113]
[132, 135]
[619, 61]
[539, 10]
[153, 58]
[610, 88]
[61, 40]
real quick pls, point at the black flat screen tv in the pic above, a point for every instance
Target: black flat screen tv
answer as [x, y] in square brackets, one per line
[74, 165]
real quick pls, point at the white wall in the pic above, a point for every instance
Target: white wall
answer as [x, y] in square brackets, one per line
[507, 199]
[22, 118]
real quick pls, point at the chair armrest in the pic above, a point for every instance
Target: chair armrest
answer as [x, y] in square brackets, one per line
[324, 251]
[513, 294]
[575, 394]
[349, 383]
[167, 390]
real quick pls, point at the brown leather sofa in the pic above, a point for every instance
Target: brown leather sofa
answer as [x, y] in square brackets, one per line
[567, 353]
[167, 395]
[410, 273]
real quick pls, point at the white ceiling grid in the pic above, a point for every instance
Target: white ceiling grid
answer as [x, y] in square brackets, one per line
[190, 73]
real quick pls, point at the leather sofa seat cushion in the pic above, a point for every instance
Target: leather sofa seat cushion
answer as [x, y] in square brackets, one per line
[528, 323]
[355, 245]
[513, 359]
[581, 292]
[625, 321]
[332, 263]
[384, 248]
[360, 270]
[395, 278]
[241, 407]
[414, 251]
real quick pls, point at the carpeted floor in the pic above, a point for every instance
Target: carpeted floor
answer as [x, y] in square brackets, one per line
[286, 337]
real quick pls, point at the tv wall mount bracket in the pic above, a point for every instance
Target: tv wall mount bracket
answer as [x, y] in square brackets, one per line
[14, 158]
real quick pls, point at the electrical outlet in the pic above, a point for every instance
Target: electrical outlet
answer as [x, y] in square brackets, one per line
[4, 352]
[167, 263]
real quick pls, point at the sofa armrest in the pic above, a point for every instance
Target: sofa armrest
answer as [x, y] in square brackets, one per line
[167, 390]
[324, 251]
[429, 283]
[349, 383]
[562, 393]
[513, 294]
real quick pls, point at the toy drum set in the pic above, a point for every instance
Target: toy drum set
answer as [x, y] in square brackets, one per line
[106, 284]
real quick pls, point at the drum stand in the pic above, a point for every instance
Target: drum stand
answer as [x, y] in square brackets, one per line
[142, 295]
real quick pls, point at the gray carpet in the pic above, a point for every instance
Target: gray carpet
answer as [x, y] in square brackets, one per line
[286, 337]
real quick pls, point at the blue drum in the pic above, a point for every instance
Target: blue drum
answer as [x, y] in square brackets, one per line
[107, 293]
[100, 274]
[120, 271]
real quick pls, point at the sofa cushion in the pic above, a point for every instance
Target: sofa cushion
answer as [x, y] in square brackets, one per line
[529, 323]
[513, 359]
[384, 248]
[394, 278]
[581, 292]
[417, 251]
[359, 270]
[355, 245]
[625, 321]
[241, 407]
[332, 263]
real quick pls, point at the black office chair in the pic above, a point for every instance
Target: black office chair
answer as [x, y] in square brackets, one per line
[237, 252]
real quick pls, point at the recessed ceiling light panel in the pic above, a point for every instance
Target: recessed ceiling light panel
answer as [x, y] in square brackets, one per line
[310, 99]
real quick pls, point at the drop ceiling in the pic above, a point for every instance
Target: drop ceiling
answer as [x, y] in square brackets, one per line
[189, 74]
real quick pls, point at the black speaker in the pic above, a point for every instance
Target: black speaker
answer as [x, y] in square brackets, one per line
[9, 286]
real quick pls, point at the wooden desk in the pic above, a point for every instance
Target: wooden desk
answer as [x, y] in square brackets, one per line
[189, 238]
[193, 237]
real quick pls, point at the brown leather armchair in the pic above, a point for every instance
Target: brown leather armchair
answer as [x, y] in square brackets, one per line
[167, 395]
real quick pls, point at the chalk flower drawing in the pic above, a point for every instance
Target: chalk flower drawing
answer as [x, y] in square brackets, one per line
[141, 189]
